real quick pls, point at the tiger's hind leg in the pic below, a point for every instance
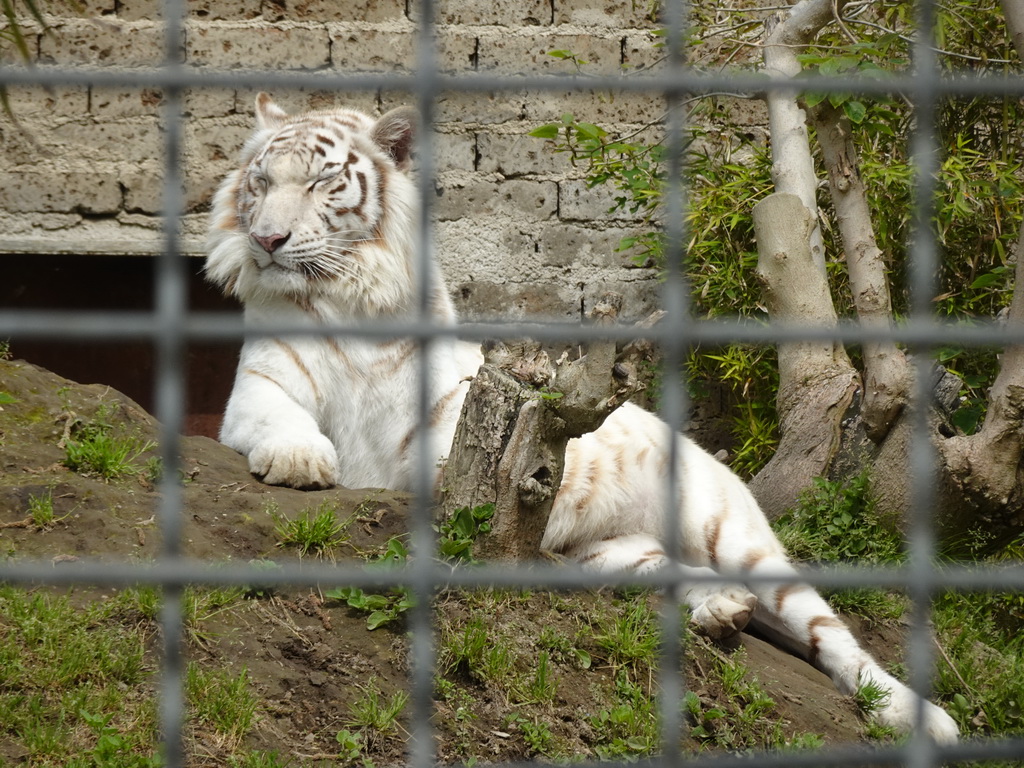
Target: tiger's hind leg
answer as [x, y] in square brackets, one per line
[796, 617]
[720, 611]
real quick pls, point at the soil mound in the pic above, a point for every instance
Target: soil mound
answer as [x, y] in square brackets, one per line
[310, 657]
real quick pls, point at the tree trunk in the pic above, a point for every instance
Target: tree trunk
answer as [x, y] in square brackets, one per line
[817, 383]
[985, 468]
[1014, 12]
[824, 428]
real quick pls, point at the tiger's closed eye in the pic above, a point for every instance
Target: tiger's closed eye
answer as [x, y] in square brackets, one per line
[319, 181]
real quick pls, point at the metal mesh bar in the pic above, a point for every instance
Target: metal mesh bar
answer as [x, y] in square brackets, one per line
[170, 326]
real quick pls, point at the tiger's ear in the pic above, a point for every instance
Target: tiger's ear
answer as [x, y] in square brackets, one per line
[395, 133]
[268, 114]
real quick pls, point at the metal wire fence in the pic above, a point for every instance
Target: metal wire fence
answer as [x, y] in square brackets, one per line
[171, 326]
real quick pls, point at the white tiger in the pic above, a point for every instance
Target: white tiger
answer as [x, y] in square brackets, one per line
[317, 225]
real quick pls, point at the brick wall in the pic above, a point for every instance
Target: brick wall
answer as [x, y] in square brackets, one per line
[518, 232]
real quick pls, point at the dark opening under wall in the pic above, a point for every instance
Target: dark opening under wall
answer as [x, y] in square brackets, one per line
[113, 283]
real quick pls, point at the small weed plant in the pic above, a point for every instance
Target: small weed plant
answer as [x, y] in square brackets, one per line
[375, 715]
[96, 448]
[837, 521]
[563, 648]
[542, 687]
[224, 702]
[536, 732]
[382, 608]
[457, 534]
[870, 697]
[315, 531]
[455, 543]
[41, 512]
[350, 746]
[112, 749]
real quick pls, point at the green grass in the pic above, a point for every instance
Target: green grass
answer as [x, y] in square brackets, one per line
[316, 531]
[628, 728]
[78, 686]
[981, 664]
[629, 637]
[375, 715]
[40, 510]
[224, 702]
[74, 682]
[95, 447]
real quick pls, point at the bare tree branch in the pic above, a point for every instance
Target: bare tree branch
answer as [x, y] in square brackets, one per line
[817, 382]
[792, 166]
[1014, 12]
[887, 375]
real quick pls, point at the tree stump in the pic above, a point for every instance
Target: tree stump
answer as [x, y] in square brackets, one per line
[519, 414]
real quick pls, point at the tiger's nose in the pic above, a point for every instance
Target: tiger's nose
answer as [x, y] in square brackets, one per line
[271, 243]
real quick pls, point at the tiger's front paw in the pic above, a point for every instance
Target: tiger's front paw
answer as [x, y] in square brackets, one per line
[310, 462]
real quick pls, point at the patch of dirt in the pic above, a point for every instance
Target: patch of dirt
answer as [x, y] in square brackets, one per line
[310, 657]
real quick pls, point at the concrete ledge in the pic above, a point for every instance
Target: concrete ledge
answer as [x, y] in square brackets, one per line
[190, 247]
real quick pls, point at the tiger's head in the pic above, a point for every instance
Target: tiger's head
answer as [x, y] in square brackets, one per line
[322, 206]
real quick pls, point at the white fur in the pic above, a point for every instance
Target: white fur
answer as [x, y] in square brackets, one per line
[315, 412]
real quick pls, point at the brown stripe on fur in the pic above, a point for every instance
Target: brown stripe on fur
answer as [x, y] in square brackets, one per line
[336, 348]
[229, 220]
[403, 446]
[590, 557]
[390, 365]
[590, 477]
[297, 359]
[784, 592]
[441, 406]
[712, 530]
[752, 558]
[620, 460]
[814, 642]
[363, 194]
[325, 140]
[271, 379]
[382, 196]
[645, 559]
